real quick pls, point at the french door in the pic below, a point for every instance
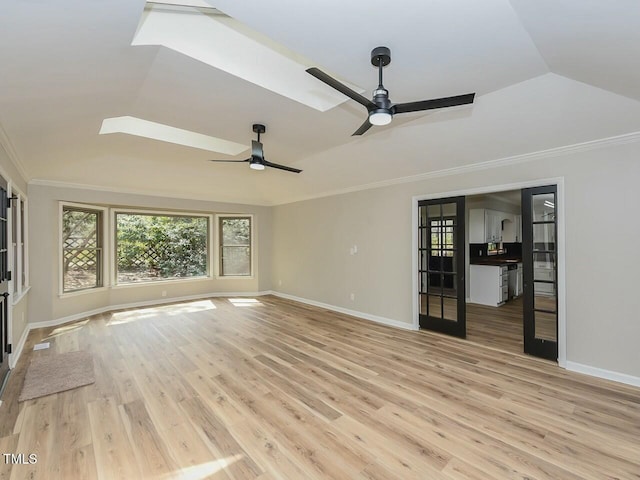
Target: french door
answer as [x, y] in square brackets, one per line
[442, 265]
[4, 282]
[540, 271]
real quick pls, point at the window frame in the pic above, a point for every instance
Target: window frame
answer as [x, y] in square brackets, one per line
[18, 253]
[23, 235]
[113, 255]
[252, 252]
[104, 228]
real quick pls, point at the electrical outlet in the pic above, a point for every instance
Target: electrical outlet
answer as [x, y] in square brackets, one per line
[164, 293]
[352, 296]
[279, 283]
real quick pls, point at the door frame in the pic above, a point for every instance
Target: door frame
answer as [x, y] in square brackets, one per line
[560, 212]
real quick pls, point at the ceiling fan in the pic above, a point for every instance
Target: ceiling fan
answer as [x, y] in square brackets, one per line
[380, 109]
[257, 161]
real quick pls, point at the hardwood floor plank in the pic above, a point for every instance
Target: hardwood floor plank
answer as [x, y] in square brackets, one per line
[36, 437]
[8, 444]
[413, 458]
[220, 438]
[150, 452]
[78, 463]
[114, 454]
[190, 453]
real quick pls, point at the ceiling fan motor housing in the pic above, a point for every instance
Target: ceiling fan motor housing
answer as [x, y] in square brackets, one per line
[381, 98]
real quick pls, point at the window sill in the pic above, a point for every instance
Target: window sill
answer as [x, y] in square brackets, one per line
[119, 286]
[18, 299]
[234, 277]
[82, 292]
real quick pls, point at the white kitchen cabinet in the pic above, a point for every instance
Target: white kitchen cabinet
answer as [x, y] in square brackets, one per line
[489, 285]
[512, 228]
[485, 226]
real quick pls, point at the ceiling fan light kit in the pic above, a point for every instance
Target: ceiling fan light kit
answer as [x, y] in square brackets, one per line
[380, 117]
[380, 109]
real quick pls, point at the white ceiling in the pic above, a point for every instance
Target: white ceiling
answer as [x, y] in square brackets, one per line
[547, 73]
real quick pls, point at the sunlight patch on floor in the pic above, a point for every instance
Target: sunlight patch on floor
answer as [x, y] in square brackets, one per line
[244, 302]
[67, 328]
[202, 471]
[119, 318]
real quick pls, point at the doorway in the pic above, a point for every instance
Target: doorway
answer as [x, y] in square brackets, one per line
[519, 226]
[495, 270]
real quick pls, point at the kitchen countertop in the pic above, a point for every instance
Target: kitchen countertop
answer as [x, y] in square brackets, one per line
[495, 262]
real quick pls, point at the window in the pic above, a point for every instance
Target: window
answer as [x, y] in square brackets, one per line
[23, 264]
[82, 248]
[442, 237]
[19, 265]
[235, 246]
[15, 228]
[152, 247]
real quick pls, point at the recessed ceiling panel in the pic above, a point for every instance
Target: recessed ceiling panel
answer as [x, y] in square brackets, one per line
[165, 133]
[226, 44]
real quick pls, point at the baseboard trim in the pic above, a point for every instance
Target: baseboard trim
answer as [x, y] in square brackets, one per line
[13, 358]
[602, 373]
[354, 313]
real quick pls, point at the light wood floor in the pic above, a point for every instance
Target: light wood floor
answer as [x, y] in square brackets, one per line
[497, 327]
[277, 390]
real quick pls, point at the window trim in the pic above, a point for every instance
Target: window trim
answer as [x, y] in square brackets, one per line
[24, 232]
[18, 262]
[252, 253]
[113, 252]
[105, 244]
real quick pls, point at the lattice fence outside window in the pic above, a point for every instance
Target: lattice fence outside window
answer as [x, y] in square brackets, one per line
[81, 248]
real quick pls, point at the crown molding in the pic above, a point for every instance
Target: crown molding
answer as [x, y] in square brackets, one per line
[475, 167]
[6, 143]
[131, 191]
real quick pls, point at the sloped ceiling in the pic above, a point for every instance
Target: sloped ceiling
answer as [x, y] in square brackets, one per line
[547, 73]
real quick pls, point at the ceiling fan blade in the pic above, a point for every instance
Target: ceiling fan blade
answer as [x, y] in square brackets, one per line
[363, 128]
[282, 167]
[433, 104]
[231, 161]
[341, 87]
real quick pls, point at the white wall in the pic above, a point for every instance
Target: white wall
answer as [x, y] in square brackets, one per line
[45, 304]
[311, 242]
